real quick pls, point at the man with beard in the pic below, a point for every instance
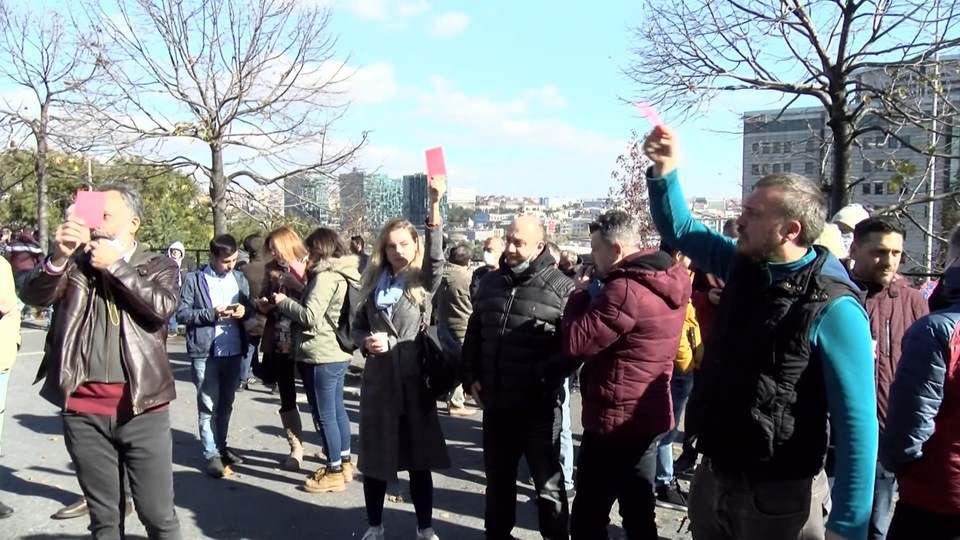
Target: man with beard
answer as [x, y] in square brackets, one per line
[893, 307]
[791, 348]
[514, 368]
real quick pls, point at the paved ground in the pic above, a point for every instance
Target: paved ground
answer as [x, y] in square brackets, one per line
[260, 501]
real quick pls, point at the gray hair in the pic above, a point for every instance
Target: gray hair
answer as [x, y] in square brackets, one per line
[618, 226]
[802, 200]
[131, 197]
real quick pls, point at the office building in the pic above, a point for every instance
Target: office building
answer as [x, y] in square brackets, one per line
[416, 199]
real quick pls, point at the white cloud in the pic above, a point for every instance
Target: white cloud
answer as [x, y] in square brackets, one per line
[410, 8]
[367, 9]
[374, 83]
[449, 24]
[548, 96]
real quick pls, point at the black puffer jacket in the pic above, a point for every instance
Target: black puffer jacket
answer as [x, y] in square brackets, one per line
[512, 346]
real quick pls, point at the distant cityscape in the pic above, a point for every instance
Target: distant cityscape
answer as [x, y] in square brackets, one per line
[361, 203]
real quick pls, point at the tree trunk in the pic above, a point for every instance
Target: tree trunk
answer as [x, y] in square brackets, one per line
[218, 190]
[40, 170]
[842, 128]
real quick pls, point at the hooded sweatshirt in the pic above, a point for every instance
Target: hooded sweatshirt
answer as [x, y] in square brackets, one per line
[627, 337]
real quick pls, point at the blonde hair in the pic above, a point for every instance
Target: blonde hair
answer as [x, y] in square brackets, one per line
[286, 242]
[412, 287]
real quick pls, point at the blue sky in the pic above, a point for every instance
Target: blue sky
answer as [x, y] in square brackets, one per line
[522, 95]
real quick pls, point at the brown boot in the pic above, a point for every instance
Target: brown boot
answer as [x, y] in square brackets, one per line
[294, 431]
[347, 471]
[325, 481]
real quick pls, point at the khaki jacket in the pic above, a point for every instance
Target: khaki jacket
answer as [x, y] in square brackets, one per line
[316, 314]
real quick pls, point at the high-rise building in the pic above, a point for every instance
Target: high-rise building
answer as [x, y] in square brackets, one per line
[416, 199]
[307, 197]
[884, 170]
[368, 201]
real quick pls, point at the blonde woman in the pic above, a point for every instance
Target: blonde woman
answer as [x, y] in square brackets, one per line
[277, 341]
[399, 428]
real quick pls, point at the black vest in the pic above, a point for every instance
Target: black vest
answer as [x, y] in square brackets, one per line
[759, 405]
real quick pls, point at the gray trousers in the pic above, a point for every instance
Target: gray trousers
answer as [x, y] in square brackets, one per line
[104, 450]
[736, 507]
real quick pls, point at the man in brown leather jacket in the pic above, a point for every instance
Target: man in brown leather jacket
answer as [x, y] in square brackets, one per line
[107, 366]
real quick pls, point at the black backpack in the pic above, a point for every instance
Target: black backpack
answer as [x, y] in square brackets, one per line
[348, 313]
[439, 358]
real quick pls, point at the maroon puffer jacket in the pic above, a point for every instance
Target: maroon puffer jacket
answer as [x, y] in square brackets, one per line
[628, 337]
[892, 309]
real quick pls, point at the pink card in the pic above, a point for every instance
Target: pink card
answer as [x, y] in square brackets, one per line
[298, 269]
[89, 207]
[435, 164]
[650, 113]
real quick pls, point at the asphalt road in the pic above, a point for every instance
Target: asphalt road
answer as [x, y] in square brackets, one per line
[260, 501]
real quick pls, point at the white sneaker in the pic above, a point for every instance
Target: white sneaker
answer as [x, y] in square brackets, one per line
[375, 533]
[427, 534]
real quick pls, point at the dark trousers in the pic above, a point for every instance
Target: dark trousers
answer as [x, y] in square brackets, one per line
[286, 375]
[533, 433]
[912, 523]
[252, 353]
[883, 489]
[103, 450]
[615, 470]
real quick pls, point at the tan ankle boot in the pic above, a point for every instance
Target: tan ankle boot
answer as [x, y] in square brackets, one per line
[294, 431]
[347, 471]
[324, 481]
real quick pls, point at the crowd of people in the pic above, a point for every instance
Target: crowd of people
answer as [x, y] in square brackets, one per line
[813, 383]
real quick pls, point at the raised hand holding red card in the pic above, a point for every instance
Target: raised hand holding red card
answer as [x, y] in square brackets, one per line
[89, 207]
[436, 166]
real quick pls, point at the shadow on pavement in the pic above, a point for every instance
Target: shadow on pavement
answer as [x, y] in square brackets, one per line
[15, 484]
[45, 424]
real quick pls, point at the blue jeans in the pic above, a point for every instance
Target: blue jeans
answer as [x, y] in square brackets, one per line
[4, 379]
[252, 351]
[323, 384]
[883, 489]
[216, 381]
[566, 440]
[172, 326]
[680, 387]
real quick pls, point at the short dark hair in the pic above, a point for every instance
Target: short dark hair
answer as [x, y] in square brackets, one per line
[224, 245]
[618, 226]
[357, 240]
[461, 255]
[876, 225]
[325, 243]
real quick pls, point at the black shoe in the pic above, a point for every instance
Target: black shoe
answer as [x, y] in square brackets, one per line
[229, 457]
[672, 497]
[684, 469]
[215, 468]
[5, 511]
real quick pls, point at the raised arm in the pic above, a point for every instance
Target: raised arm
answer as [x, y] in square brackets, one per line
[708, 249]
[431, 273]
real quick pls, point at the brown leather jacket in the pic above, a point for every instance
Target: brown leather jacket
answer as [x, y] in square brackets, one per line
[147, 297]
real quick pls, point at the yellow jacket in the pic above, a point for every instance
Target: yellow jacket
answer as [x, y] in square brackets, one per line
[690, 352]
[9, 323]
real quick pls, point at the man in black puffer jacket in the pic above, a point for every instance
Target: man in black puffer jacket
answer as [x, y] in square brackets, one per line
[514, 368]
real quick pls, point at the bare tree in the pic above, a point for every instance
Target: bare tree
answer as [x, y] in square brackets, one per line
[46, 64]
[858, 59]
[630, 189]
[254, 81]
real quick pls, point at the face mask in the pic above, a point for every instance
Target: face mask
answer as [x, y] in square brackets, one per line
[847, 241]
[490, 259]
[522, 267]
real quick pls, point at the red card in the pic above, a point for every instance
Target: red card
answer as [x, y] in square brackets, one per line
[89, 207]
[650, 113]
[435, 164]
[298, 269]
